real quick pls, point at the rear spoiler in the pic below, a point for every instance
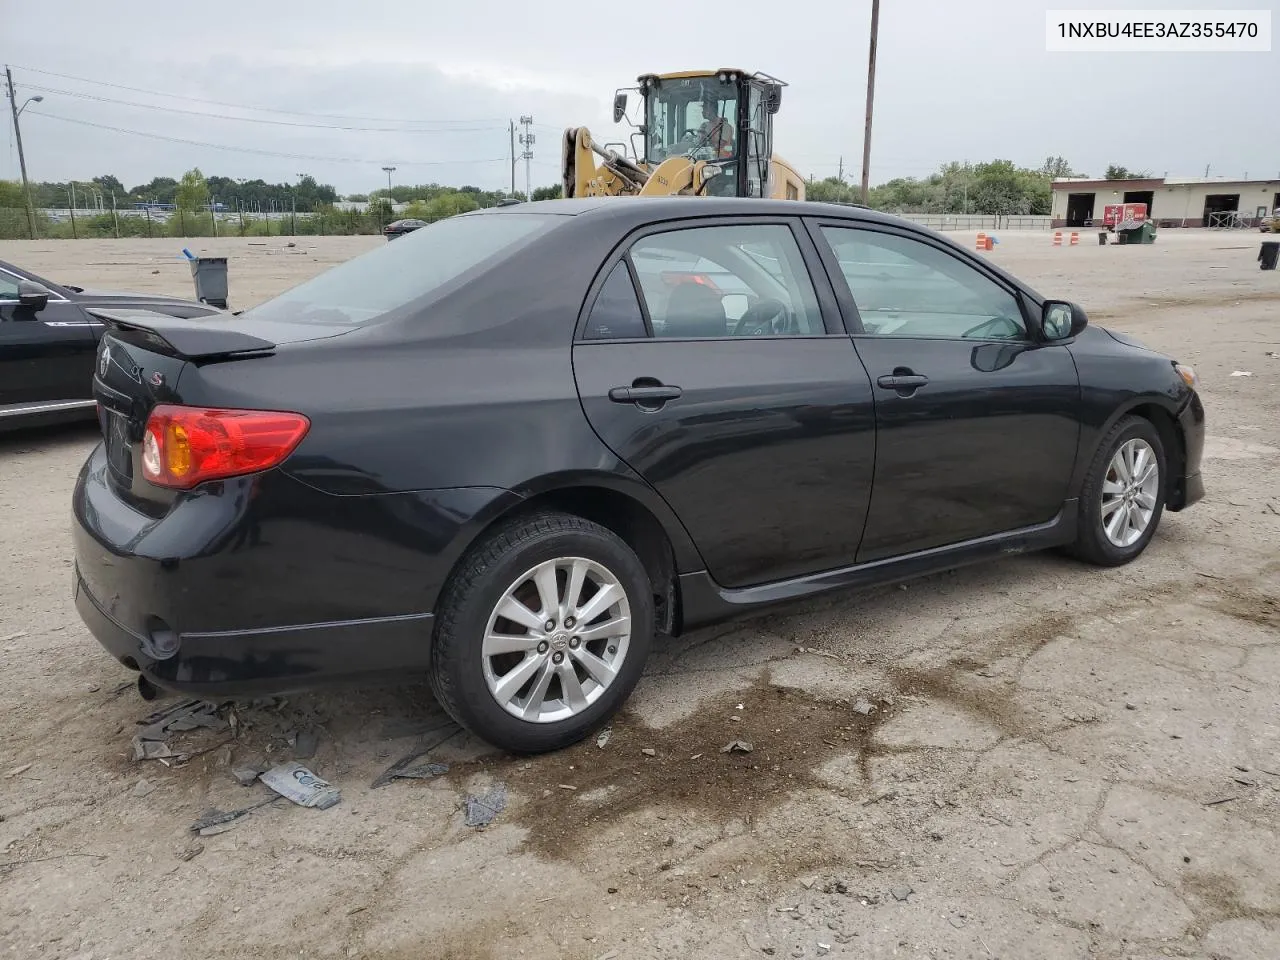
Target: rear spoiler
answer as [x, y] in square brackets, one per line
[194, 339]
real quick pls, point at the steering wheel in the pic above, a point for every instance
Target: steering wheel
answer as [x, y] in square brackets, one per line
[759, 319]
[988, 328]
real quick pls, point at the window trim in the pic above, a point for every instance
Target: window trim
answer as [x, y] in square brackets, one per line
[849, 307]
[828, 304]
[54, 295]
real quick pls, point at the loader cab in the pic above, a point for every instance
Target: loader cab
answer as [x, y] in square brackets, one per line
[723, 117]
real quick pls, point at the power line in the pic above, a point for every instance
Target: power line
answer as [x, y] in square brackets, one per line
[223, 116]
[252, 150]
[241, 106]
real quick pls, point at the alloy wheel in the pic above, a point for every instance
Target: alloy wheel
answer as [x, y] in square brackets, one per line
[1129, 492]
[556, 639]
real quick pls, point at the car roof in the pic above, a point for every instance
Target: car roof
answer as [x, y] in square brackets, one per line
[663, 208]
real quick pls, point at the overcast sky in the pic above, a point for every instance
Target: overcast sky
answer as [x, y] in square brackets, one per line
[954, 81]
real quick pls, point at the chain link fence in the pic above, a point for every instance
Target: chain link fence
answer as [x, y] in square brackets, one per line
[77, 225]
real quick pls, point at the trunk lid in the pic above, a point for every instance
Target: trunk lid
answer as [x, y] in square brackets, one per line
[139, 364]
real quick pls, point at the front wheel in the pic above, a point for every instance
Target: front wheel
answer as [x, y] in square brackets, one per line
[1123, 495]
[543, 633]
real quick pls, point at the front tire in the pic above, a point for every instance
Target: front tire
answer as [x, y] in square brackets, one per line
[1123, 495]
[542, 633]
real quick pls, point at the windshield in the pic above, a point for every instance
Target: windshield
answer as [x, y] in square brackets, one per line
[401, 272]
[693, 115]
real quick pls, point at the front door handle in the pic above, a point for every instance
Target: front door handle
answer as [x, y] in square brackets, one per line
[906, 381]
[646, 396]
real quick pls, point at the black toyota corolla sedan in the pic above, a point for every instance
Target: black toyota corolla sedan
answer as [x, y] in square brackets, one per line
[511, 449]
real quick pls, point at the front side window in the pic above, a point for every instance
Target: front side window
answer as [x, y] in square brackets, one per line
[906, 288]
[396, 274]
[730, 281]
[694, 116]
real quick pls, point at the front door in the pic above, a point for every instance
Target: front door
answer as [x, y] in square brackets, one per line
[46, 354]
[976, 422]
[721, 385]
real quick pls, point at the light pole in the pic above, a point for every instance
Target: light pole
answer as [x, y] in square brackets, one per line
[871, 92]
[17, 135]
[389, 171]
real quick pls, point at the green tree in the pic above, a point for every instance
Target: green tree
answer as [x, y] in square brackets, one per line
[1117, 172]
[1058, 167]
[11, 194]
[193, 191]
[549, 193]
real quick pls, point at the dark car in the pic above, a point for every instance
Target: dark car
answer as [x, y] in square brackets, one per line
[487, 455]
[398, 228]
[49, 343]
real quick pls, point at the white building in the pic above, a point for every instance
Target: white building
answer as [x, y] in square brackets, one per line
[1171, 201]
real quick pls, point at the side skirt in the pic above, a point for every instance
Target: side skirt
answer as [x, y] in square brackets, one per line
[703, 601]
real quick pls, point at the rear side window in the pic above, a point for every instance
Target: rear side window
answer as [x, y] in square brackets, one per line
[726, 281]
[616, 314]
[400, 272]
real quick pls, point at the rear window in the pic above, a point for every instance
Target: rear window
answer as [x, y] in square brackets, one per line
[402, 271]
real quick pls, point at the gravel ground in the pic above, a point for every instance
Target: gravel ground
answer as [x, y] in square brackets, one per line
[1058, 762]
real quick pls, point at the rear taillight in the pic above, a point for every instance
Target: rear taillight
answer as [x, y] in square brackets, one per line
[184, 446]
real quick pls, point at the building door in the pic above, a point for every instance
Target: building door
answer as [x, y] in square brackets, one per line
[1079, 209]
[1142, 196]
[1216, 205]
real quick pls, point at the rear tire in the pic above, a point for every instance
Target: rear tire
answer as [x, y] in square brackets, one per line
[517, 659]
[1120, 510]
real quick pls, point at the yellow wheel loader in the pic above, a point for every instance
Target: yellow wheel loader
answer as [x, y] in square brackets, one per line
[707, 133]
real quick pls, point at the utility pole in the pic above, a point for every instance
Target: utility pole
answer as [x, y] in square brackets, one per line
[526, 140]
[22, 159]
[513, 157]
[871, 91]
[840, 174]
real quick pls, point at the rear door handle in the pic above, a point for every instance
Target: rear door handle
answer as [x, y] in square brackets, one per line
[645, 395]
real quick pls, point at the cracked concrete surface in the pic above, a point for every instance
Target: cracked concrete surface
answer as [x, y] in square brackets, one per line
[1061, 762]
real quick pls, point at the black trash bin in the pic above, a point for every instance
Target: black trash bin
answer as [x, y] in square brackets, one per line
[1269, 255]
[210, 276]
[1102, 238]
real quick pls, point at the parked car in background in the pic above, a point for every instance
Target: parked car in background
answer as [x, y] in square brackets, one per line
[49, 342]
[510, 451]
[398, 228]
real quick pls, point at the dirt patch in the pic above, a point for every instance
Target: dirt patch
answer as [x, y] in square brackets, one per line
[1244, 605]
[1215, 897]
[790, 734]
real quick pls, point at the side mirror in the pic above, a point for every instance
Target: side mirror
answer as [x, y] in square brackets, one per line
[1061, 320]
[773, 98]
[33, 295]
[619, 106]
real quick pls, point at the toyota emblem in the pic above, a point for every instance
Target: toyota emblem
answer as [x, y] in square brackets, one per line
[104, 362]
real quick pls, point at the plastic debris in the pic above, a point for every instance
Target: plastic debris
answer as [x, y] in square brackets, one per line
[482, 810]
[246, 776]
[1242, 373]
[304, 747]
[737, 746]
[604, 737]
[446, 732]
[863, 707]
[423, 771]
[215, 817]
[295, 782]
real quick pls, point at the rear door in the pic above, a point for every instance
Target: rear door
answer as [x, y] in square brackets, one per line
[976, 419]
[730, 388]
[46, 354]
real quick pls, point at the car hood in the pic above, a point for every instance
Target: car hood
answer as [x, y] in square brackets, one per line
[1126, 339]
